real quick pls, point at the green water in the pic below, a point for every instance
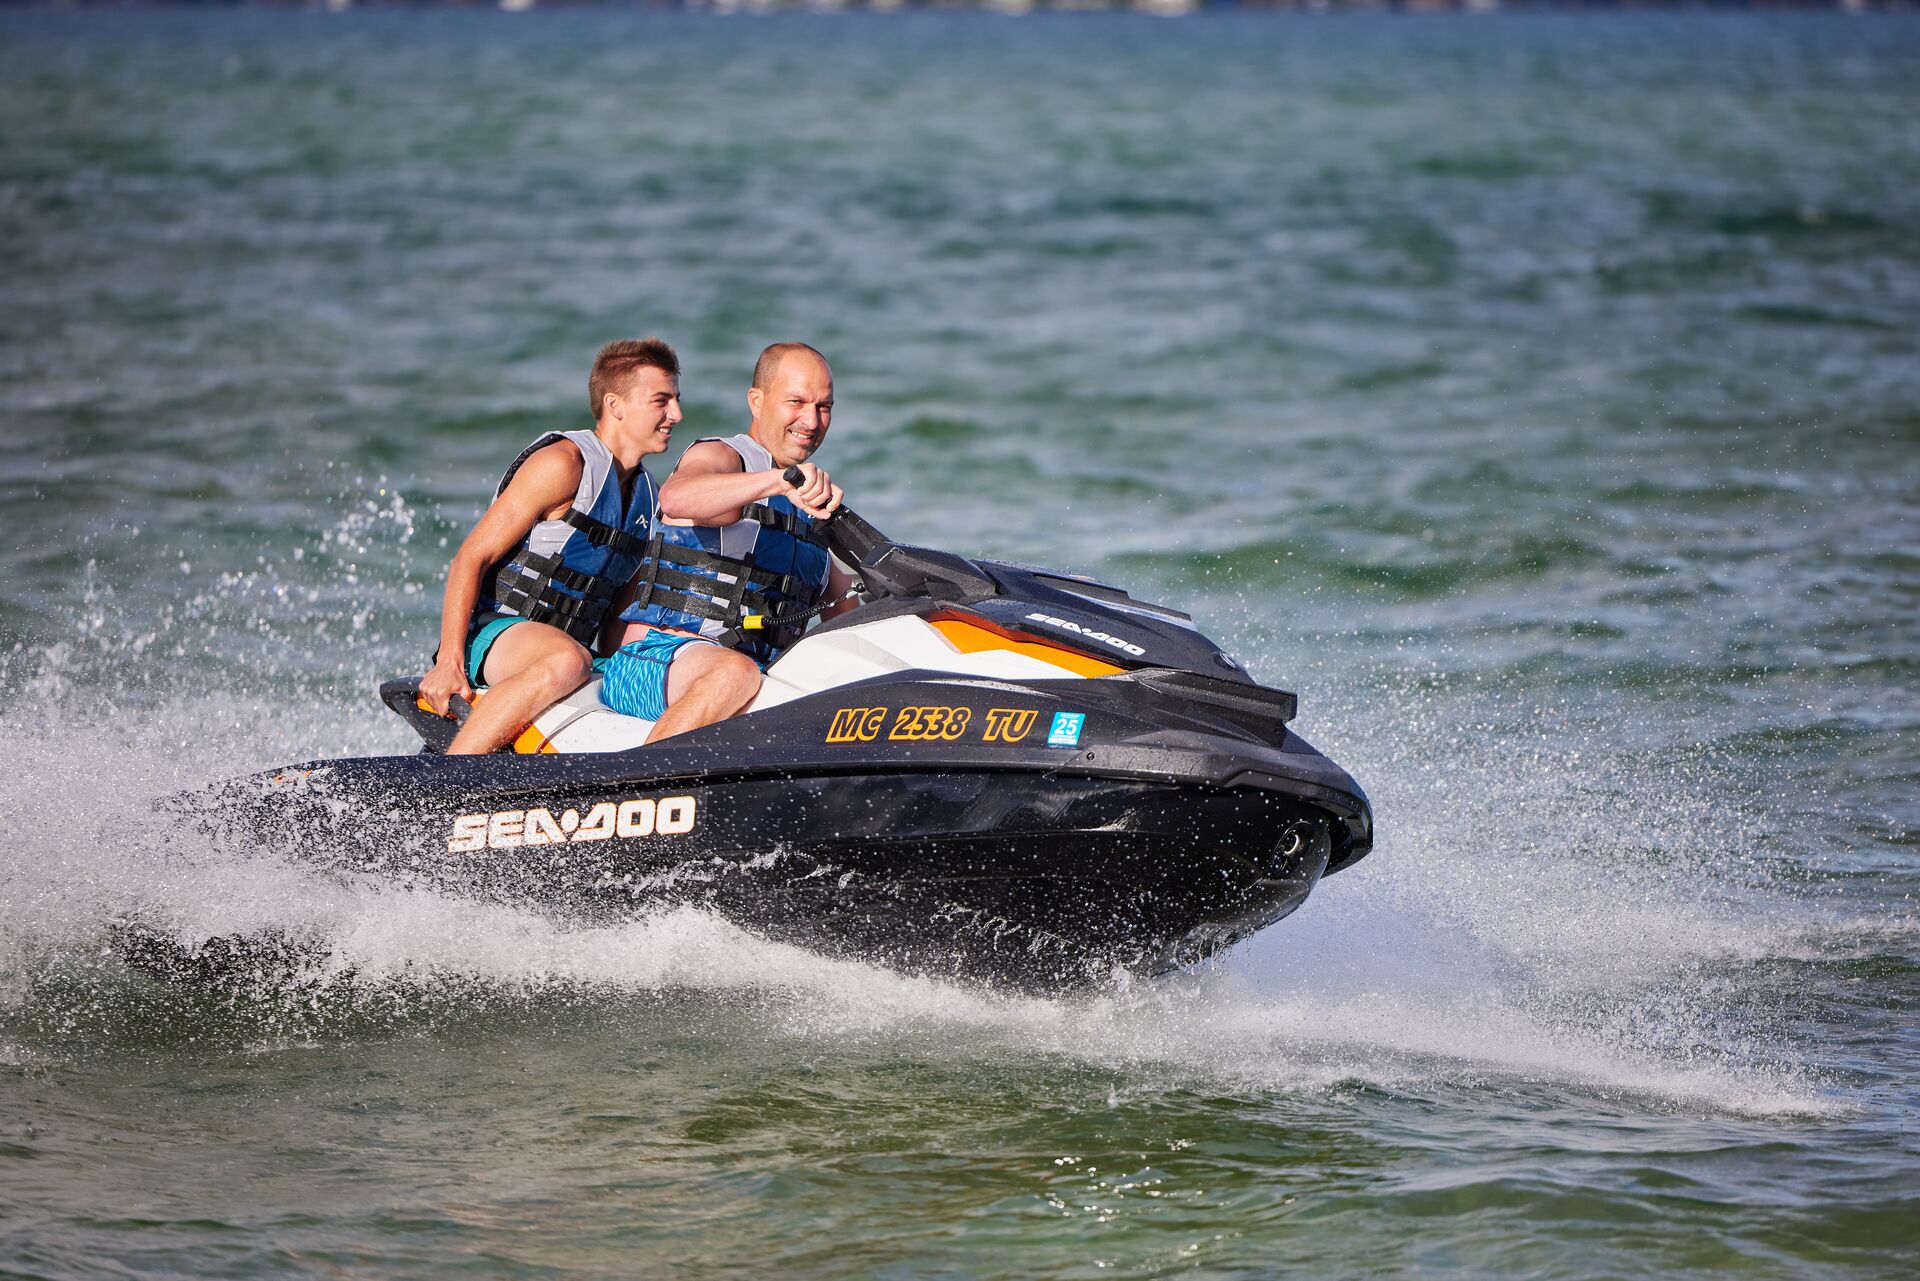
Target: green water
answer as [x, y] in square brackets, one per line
[1535, 395]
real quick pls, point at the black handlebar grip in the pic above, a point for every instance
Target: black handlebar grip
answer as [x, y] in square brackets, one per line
[795, 477]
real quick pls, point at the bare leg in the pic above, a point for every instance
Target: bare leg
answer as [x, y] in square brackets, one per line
[705, 684]
[530, 667]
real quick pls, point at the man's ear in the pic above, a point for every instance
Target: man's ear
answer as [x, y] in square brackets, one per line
[610, 406]
[755, 398]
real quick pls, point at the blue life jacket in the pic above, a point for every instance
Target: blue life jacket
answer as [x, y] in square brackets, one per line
[566, 572]
[751, 585]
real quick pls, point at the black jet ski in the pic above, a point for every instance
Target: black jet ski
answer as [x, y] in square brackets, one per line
[988, 772]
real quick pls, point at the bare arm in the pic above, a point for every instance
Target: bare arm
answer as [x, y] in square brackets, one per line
[839, 586]
[542, 489]
[710, 487]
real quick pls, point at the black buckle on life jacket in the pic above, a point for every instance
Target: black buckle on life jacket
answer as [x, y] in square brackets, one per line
[601, 534]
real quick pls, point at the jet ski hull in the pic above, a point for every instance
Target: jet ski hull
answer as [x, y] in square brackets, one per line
[1029, 881]
[1016, 862]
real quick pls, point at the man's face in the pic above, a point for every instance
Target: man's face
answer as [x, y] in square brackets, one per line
[651, 406]
[792, 412]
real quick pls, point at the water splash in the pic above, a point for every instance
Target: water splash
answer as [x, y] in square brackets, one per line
[1509, 931]
[1551, 905]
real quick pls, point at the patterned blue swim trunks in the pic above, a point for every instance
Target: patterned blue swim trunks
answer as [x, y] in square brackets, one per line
[634, 679]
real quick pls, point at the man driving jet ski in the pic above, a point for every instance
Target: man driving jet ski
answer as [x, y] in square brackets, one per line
[738, 564]
[534, 585]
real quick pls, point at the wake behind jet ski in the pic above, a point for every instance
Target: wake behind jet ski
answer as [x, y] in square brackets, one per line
[989, 772]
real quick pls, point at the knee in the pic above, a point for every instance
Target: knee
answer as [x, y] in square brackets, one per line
[740, 676]
[564, 671]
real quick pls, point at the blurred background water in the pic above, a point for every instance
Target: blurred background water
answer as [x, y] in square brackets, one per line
[1536, 395]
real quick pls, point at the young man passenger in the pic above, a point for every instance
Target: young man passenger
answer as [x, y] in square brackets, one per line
[697, 641]
[532, 587]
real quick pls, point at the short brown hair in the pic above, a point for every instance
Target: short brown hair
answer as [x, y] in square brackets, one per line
[617, 362]
[770, 360]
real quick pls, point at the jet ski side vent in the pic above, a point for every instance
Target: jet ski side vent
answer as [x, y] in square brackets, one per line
[1261, 711]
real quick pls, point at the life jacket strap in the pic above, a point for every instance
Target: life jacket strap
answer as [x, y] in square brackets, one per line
[695, 604]
[700, 594]
[667, 580]
[784, 522]
[601, 534]
[553, 569]
[538, 600]
[661, 552]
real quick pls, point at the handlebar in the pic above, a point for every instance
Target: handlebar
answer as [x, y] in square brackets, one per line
[887, 568]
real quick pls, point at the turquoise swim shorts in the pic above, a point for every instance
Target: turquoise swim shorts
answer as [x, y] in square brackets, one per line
[482, 632]
[634, 679]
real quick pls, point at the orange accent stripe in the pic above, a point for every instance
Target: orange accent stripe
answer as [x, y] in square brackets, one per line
[531, 741]
[969, 638]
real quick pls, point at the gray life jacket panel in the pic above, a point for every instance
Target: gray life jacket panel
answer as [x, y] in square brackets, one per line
[566, 572]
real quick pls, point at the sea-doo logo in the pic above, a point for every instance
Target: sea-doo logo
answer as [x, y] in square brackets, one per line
[511, 829]
[1102, 637]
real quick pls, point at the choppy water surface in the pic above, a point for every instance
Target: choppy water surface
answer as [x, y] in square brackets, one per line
[1536, 396]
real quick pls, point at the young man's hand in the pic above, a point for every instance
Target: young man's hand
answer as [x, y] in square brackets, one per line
[439, 686]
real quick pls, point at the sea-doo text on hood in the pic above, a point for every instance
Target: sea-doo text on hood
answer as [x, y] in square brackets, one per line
[1104, 637]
